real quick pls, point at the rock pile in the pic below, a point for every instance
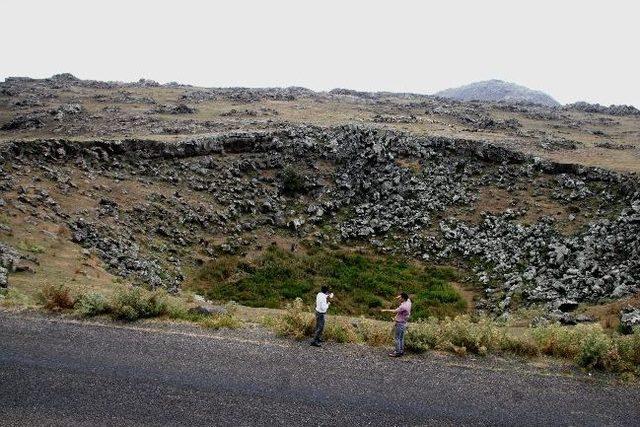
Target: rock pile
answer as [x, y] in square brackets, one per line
[9, 259]
[174, 109]
[629, 319]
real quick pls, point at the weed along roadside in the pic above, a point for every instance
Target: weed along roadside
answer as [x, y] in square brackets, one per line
[588, 346]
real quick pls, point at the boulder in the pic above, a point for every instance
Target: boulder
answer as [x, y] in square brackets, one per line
[629, 319]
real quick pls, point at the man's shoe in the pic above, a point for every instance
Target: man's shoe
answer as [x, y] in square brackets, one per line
[394, 354]
[315, 344]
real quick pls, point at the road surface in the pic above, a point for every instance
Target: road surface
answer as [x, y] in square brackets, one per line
[60, 372]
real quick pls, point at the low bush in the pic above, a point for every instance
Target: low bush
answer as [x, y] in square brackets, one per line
[556, 340]
[136, 303]
[30, 247]
[296, 322]
[341, 331]
[597, 350]
[178, 310]
[130, 304]
[56, 297]
[524, 345]
[91, 304]
[293, 182]
[589, 346]
[374, 333]
[423, 335]
[460, 335]
[629, 349]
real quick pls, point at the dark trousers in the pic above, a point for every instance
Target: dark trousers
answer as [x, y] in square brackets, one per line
[319, 327]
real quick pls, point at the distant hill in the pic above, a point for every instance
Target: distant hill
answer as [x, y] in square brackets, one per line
[497, 90]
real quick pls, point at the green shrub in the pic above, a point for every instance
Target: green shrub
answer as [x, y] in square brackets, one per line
[218, 270]
[463, 335]
[136, 303]
[476, 337]
[91, 304]
[374, 333]
[30, 247]
[293, 182]
[629, 348]
[341, 331]
[422, 335]
[556, 340]
[176, 309]
[596, 350]
[56, 297]
[519, 345]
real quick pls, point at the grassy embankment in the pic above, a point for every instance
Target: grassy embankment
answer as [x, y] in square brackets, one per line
[363, 284]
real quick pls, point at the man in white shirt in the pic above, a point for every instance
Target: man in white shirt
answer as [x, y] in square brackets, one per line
[322, 305]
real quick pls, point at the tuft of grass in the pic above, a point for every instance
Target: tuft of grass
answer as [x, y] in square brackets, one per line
[555, 340]
[460, 335]
[362, 284]
[591, 347]
[341, 331]
[221, 321]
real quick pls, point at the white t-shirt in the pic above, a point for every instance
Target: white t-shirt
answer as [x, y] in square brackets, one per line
[322, 305]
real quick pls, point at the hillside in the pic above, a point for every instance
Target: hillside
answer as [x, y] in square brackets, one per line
[178, 187]
[498, 91]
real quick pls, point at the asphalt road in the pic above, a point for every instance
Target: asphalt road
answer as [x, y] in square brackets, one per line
[55, 372]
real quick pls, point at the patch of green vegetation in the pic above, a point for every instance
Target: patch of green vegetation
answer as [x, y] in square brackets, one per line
[14, 298]
[293, 182]
[91, 304]
[362, 284]
[30, 247]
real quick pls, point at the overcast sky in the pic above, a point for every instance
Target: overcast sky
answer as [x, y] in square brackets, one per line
[573, 50]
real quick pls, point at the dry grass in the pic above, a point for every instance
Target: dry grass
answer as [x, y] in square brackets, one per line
[127, 303]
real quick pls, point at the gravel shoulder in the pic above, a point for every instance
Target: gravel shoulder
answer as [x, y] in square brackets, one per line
[55, 371]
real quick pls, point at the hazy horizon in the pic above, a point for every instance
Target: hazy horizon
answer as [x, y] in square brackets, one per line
[573, 51]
